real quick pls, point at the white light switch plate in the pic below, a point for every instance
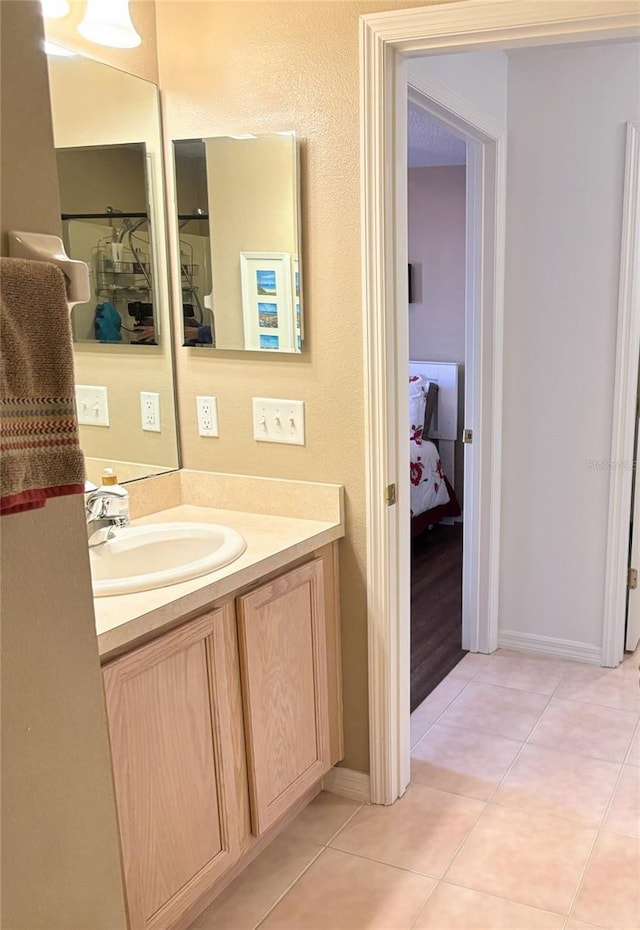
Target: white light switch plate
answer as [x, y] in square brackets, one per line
[150, 411]
[276, 420]
[92, 405]
[207, 408]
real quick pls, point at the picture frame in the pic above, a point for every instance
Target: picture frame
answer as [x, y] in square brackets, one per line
[268, 310]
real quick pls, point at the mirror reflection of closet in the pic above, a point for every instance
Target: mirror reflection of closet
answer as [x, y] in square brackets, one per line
[105, 223]
[107, 134]
[238, 205]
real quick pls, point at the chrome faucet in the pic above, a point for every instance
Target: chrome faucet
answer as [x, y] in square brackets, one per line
[102, 520]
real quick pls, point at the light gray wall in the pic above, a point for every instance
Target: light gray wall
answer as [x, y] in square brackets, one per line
[436, 212]
[479, 77]
[566, 151]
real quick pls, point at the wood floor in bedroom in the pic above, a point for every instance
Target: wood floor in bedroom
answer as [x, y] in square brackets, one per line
[436, 608]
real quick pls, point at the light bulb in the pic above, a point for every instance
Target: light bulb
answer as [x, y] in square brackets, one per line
[54, 9]
[108, 22]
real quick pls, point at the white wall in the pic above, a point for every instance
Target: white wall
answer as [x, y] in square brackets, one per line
[479, 77]
[566, 116]
[437, 251]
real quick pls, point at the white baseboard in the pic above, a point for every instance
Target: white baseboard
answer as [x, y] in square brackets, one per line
[549, 645]
[348, 783]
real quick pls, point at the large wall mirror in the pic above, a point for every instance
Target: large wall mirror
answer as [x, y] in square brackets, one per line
[108, 142]
[238, 205]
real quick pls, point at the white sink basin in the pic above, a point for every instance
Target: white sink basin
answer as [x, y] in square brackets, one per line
[138, 558]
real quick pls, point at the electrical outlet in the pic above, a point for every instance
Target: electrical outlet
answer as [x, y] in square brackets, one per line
[278, 420]
[150, 411]
[207, 408]
[92, 405]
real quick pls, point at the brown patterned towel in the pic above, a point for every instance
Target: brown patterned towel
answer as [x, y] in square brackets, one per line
[40, 454]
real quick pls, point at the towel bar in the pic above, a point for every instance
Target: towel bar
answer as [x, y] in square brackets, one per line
[45, 248]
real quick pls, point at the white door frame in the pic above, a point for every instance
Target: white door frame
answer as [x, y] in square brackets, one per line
[386, 39]
[624, 410]
[484, 251]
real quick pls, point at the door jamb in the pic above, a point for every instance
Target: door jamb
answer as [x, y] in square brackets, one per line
[622, 467]
[484, 245]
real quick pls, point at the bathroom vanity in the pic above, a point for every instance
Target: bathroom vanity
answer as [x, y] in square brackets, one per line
[223, 699]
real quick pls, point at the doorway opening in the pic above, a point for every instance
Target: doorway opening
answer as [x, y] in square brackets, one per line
[388, 42]
[436, 196]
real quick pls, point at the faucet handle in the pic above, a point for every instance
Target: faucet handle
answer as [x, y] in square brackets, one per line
[96, 506]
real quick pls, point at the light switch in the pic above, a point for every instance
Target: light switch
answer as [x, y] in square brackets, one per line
[277, 420]
[92, 405]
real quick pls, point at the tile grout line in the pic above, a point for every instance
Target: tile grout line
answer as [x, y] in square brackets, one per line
[437, 719]
[525, 742]
[599, 830]
[424, 904]
[636, 733]
[288, 889]
[323, 848]
[500, 897]
[490, 801]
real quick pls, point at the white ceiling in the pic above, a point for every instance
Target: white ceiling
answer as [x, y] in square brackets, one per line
[430, 143]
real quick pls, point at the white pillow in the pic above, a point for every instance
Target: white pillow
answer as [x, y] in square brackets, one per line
[418, 386]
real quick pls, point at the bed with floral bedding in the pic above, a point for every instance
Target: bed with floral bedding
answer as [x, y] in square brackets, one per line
[432, 496]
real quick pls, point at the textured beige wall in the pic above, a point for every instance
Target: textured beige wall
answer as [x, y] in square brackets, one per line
[229, 67]
[60, 861]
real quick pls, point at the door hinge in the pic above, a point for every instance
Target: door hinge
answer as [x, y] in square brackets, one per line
[390, 495]
[467, 436]
[632, 579]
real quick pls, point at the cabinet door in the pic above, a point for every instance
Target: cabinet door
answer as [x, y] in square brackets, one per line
[284, 686]
[175, 725]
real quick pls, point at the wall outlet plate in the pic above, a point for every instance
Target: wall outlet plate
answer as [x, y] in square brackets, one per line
[150, 411]
[207, 408]
[92, 405]
[277, 420]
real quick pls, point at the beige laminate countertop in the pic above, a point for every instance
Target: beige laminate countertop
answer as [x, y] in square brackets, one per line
[272, 543]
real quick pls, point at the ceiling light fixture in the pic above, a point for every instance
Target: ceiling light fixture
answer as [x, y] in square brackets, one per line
[54, 9]
[108, 22]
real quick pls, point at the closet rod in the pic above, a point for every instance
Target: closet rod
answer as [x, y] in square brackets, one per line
[104, 216]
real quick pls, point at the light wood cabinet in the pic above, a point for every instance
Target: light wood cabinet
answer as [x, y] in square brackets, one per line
[218, 729]
[284, 682]
[175, 727]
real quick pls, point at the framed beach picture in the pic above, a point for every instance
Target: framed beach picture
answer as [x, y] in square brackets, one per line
[297, 302]
[268, 309]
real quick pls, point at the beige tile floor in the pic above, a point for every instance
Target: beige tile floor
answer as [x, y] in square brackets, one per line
[523, 814]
